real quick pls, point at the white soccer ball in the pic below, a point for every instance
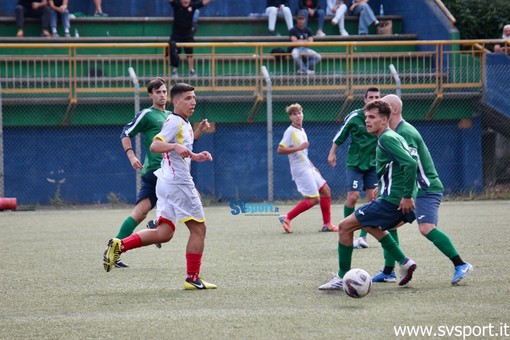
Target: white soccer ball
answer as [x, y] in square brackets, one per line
[357, 283]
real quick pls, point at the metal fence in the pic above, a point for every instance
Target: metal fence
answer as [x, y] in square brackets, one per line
[63, 107]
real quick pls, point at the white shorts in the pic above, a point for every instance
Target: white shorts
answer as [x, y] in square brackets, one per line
[178, 202]
[309, 182]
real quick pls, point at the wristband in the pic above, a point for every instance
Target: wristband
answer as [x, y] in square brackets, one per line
[128, 150]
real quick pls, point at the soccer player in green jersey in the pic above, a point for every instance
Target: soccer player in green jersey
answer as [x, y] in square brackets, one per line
[360, 159]
[148, 122]
[396, 170]
[430, 193]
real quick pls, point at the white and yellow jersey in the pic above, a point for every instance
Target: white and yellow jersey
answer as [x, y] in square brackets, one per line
[174, 168]
[298, 160]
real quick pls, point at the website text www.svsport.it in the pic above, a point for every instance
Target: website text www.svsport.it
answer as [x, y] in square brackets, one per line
[461, 331]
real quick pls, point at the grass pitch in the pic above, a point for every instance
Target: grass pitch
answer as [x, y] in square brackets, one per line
[53, 285]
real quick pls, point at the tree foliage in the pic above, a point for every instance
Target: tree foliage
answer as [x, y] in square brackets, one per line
[480, 19]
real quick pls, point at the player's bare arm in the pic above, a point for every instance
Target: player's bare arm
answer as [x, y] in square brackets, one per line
[158, 146]
[130, 153]
[285, 150]
[201, 157]
[332, 155]
[202, 127]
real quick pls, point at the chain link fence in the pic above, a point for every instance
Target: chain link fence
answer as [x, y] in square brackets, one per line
[58, 151]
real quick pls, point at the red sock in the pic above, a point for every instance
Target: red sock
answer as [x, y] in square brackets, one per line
[325, 203]
[193, 262]
[131, 242]
[302, 206]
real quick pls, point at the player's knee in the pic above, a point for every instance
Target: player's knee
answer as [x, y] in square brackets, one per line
[426, 228]
[352, 198]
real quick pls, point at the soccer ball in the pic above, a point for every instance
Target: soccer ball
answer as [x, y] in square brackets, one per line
[357, 283]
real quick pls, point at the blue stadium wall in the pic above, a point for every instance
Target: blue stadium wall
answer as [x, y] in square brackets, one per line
[94, 164]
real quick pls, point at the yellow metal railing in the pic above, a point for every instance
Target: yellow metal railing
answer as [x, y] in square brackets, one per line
[75, 71]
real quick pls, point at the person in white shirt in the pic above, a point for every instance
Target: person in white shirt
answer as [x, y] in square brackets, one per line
[308, 180]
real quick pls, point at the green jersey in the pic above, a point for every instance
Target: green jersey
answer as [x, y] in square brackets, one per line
[427, 178]
[361, 151]
[396, 168]
[148, 122]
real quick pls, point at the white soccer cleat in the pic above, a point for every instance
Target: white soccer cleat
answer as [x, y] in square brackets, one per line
[334, 284]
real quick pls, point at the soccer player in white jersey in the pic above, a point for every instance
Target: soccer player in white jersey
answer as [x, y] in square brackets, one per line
[308, 180]
[178, 199]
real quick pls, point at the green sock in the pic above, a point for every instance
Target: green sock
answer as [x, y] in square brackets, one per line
[127, 228]
[348, 211]
[442, 242]
[389, 261]
[363, 233]
[344, 259]
[389, 244]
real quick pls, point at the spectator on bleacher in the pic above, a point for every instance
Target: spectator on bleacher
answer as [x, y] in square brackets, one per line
[302, 33]
[59, 8]
[311, 9]
[99, 10]
[337, 9]
[33, 9]
[182, 28]
[366, 15]
[506, 35]
[275, 8]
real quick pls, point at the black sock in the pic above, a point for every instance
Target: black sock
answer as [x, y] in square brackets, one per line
[457, 261]
[387, 270]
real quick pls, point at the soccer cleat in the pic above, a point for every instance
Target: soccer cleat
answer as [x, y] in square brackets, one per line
[286, 224]
[360, 243]
[336, 283]
[406, 271]
[381, 277]
[198, 284]
[120, 264]
[112, 254]
[460, 272]
[329, 227]
[153, 224]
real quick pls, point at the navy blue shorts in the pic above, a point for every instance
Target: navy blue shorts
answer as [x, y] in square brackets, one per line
[361, 180]
[427, 208]
[148, 189]
[381, 213]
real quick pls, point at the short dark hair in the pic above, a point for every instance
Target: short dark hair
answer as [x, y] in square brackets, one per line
[383, 107]
[180, 88]
[371, 89]
[155, 84]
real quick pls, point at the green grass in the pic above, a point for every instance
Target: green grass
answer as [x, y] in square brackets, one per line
[53, 285]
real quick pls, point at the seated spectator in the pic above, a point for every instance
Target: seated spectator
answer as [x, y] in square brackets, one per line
[337, 9]
[182, 28]
[311, 9]
[59, 8]
[99, 10]
[506, 35]
[366, 15]
[275, 8]
[302, 33]
[33, 9]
